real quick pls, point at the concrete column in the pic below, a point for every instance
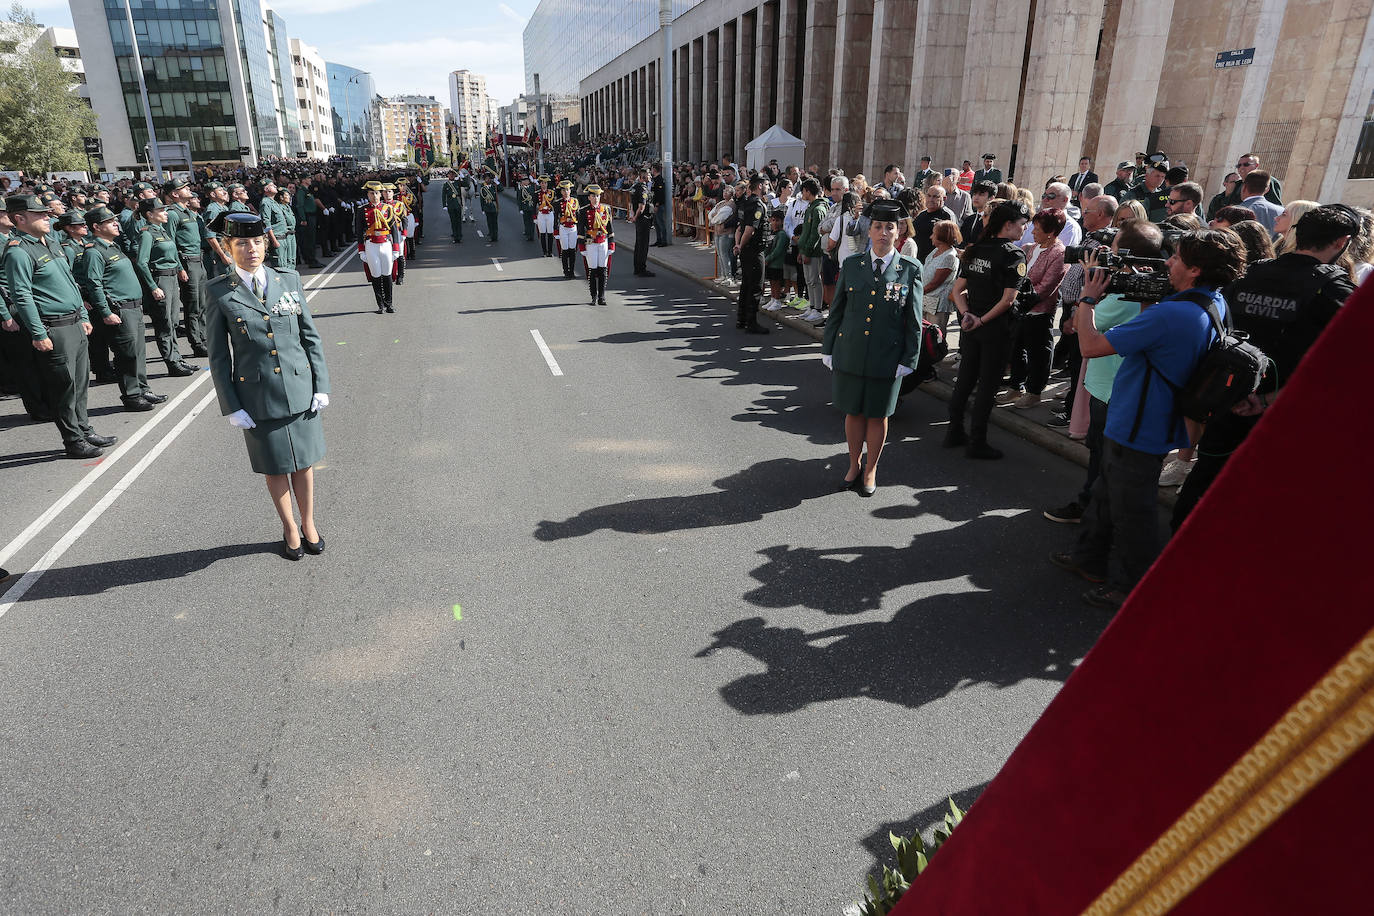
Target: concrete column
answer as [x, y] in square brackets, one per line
[787, 112]
[729, 37]
[710, 97]
[817, 79]
[682, 149]
[766, 51]
[694, 125]
[1097, 99]
[1360, 88]
[941, 33]
[1058, 82]
[849, 123]
[991, 81]
[652, 102]
[745, 59]
[889, 95]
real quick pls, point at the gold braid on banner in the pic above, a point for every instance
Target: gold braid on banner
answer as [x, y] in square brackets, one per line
[1317, 734]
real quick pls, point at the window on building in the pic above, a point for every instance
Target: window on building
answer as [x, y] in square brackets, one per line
[1362, 166]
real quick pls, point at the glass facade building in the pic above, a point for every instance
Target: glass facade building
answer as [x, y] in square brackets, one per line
[257, 69]
[279, 47]
[567, 40]
[183, 50]
[352, 100]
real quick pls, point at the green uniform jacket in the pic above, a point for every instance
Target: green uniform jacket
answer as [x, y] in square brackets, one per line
[272, 216]
[185, 230]
[265, 355]
[105, 274]
[73, 249]
[40, 283]
[130, 224]
[452, 195]
[491, 202]
[777, 255]
[156, 251]
[810, 242]
[526, 198]
[875, 327]
[4, 284]
[1274, 195]
[238, 206]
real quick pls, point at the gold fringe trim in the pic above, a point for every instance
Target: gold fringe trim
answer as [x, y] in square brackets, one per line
[1315, 736]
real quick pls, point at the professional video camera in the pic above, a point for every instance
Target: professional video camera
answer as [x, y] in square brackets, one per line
[1133, 279]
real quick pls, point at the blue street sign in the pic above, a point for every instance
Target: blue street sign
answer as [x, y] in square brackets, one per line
[1242, 57]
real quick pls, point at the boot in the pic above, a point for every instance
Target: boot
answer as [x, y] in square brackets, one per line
[979, 448]
[601, 286]
[591, 284]
[400, 270]
[955, 435]
[379, 293]
[388, 288]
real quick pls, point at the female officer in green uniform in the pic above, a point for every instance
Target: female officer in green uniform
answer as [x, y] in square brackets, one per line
[268, 365]
[872, 339]
[286, 237]
[158, 264]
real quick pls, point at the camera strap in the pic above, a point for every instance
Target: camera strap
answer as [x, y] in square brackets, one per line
[1206, 304]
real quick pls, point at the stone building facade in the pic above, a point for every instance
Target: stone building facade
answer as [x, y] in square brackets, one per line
[1039, 82]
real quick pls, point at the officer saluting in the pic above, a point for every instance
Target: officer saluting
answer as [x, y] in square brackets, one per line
[110, 284]
[752, 239]
[47, 304]
[596, 241]
[872, 339]
[267, 363]
[452, 199]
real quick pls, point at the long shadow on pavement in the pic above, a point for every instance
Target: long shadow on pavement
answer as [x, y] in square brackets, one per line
[97, 578]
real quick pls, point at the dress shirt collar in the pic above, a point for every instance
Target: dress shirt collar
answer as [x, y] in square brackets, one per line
[882, 263]
[260, 275]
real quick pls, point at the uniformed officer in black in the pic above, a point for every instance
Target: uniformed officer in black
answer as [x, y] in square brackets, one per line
[988, 172]
[1153, 192]
[752, 239]
[1121, 185]
[1283, 304]
[48, 306]
[989, 278]
[642, 215]
[525, 196]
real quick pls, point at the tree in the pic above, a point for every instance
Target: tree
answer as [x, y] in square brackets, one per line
[42, 118]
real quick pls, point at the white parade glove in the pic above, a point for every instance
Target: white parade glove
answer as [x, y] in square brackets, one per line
[319, 402]
[362, 256]
[825, 358]
[239, 419]
[903, 370]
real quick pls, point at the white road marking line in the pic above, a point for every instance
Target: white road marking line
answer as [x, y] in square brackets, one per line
[81, 486]
[45, 563]
[85, 483]
[548, 354]
[498, 265]
[480, 235]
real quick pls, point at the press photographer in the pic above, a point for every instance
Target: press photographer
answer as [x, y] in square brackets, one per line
[1161, 348]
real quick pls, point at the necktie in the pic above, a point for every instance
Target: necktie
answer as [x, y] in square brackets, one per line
[878, 268]
[257, 287]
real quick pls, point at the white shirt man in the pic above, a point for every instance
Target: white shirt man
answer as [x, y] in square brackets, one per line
[1056, 197]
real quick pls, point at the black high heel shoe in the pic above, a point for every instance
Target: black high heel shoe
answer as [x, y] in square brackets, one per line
[292, 553]
[313, 547]
[845, 484]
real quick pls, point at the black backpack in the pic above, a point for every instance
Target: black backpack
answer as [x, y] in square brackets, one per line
[934, 349]
[1228, 373]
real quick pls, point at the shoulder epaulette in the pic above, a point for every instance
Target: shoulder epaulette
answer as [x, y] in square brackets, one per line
[14, 242]
[217, 279]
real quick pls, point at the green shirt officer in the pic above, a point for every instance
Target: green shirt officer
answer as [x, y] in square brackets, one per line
[238, 198]
[47, 304]
[110, 285]
[130, 220]
[159, 268]
[217, 202]
[873, 339]
[1155, 199]
[73, 240]
[274, 220]
[491, 205]
[451, 197]
[184, 225]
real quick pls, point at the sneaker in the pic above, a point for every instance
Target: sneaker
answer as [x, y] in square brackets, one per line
[799, 303]
[1105, 597]
[1174, 473]
[774, 305]
[1071, 514]
[1065, 560]
[1026, 401]
[1058, 420]
[1010, 395]
[809, 315]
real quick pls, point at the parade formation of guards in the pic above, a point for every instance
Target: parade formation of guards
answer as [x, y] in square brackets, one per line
[81, 266]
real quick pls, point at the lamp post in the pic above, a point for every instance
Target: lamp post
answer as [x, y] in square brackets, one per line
[143, 92]
[665, 23]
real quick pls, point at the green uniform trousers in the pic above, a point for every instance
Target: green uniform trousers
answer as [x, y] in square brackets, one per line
[284, 255]
[21, 369]
[65, 371]
[128, 349]
[491, 224]
[193, 302]
[165, 314]
[455, 222]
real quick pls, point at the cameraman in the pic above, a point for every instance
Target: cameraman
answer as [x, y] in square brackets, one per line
[1283, 304]
[1142, 239]
[1162, 347]
[1097, 216]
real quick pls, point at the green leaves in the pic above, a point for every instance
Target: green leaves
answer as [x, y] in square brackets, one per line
[913, 855]
[42, 117]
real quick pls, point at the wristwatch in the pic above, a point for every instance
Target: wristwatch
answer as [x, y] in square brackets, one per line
[1088, 300]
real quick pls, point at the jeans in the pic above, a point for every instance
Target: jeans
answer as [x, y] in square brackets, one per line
[815, 294]
[1097, 424]
[1120, 534]
[725, 255]
[661, 225]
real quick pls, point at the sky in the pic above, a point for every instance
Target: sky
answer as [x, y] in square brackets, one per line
[408, 47]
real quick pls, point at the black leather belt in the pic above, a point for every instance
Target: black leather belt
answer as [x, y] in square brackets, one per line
[289, 232]
[123, 305]
[190, 257]
[166, 273]
[61, 321]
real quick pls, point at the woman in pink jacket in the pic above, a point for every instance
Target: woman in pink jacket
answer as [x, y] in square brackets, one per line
[1033, 341]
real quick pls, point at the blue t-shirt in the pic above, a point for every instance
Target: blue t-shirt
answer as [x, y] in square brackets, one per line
[1174, 333]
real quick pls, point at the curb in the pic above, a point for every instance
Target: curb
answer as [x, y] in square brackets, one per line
[1047, 439]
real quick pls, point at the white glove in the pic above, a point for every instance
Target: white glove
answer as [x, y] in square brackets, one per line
[826, 358]
[319, 402]
[362, 256]
[239, 419]
[903, 370]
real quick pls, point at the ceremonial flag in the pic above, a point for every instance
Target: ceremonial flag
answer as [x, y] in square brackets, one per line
[424, 153]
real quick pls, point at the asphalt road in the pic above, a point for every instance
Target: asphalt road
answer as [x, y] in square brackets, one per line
[688, 678]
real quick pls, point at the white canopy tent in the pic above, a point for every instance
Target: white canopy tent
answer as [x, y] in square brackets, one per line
[775, 143]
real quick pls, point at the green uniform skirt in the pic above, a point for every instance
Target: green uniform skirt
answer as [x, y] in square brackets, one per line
[285, 445]
[859, 395]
